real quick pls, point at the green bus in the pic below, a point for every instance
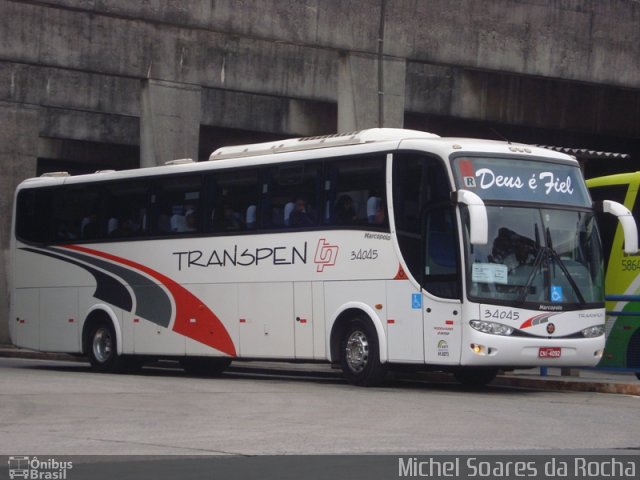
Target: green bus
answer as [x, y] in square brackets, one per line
[622, 281]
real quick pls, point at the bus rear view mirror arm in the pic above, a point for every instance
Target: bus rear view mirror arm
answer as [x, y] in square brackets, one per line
[479, 225]
[625, 217]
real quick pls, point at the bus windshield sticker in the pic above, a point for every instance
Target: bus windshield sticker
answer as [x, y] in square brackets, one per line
[490, 273]
[516, 180]
[556, 293]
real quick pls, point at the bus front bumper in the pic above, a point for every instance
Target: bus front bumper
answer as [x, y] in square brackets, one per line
[482, 349]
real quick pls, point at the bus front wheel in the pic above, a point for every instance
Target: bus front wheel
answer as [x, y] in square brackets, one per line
[360, 354]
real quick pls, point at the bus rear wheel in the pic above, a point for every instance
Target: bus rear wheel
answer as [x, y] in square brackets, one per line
[102, 349]
[360, 354]
[475, 376]
[205, 366]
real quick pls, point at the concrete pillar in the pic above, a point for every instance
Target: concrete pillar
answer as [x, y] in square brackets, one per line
[169, 122]
[306, 118]
[18, 157]
[359, 93]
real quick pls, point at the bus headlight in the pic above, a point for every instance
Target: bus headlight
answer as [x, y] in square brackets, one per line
[594, 331]
[491, 327]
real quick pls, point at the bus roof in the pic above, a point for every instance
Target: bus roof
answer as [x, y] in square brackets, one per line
[367, 141]
[323, 141]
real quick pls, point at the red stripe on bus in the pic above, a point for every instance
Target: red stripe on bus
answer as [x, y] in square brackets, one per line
[210, 332]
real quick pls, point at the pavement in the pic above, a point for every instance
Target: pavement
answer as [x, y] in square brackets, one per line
[554, 379]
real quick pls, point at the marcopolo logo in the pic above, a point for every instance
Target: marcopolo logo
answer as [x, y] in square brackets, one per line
[33, 468]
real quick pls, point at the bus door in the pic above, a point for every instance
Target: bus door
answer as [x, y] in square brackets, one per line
[266, 320]
[441, 305]
[26, 315]
[425, 327]
[303, 321]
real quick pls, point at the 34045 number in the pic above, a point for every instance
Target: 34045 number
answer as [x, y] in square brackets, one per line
[370, 254]
[502, 314]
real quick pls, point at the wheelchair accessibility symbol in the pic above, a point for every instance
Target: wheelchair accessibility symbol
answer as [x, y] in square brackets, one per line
[556, 293]
[416, 300]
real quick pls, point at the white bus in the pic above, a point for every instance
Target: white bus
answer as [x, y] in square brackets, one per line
[373, 249]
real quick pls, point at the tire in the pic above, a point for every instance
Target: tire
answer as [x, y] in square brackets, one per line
[360, 354]
[633, 351]
[475, 376]
[638, 375]
[102, 349]
[205, 366]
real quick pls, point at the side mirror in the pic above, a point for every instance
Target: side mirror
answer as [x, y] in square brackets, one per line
[479, 224]
[629, 227]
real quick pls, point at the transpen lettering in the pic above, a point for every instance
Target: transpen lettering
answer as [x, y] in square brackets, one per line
[237, 257]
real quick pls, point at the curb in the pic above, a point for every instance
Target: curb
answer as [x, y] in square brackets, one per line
[567, 385]
[504, 380]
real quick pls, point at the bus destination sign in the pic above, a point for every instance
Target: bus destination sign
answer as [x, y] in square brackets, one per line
[521, 180]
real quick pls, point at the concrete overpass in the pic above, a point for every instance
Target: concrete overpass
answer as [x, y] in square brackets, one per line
[118, 84]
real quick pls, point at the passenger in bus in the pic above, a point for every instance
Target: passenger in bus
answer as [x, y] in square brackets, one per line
[112, 226]
[178, 222]
[89, 228]
[64, 232]
[191, 220]
[125, 228]
[373, 206]
[380, 217]
[302, 215]
[251, 217]
[345, 213]
[232, 220]
[288, 208]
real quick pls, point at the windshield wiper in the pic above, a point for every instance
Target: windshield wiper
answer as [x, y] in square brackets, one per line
[534, 268]
[563, 267]
[542, 253]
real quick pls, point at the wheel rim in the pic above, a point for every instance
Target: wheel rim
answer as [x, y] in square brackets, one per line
[102, 345]
[357, 351]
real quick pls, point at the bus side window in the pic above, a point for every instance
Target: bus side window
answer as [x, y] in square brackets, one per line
[355, 190]
[127, 211]
[34, 216]
[285, 185]
[441, 260]
[78, 213]
[178, 203]
[234, 206]
[420, 182]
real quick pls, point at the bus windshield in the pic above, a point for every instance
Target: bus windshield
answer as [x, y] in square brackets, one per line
[537, 256]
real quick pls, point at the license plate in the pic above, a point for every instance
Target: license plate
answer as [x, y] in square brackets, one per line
[549, 352]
